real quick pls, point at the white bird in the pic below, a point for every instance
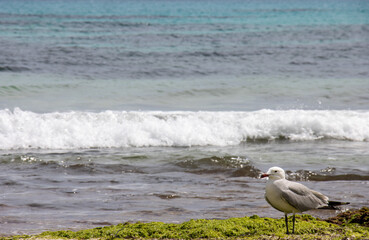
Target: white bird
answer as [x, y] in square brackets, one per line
[292, 197]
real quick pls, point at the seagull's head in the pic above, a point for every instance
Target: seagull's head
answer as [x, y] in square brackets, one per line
[274, 173]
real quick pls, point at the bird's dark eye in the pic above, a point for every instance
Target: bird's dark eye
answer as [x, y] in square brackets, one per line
[275, 171]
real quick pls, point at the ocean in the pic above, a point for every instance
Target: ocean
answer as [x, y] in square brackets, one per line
[169, 110]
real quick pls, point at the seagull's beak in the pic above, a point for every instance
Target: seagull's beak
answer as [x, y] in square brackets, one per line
[264, 175]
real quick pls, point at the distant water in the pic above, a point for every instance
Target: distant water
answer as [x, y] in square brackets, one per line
[114, 111]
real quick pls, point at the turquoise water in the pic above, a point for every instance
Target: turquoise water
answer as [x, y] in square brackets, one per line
[259, 12]
[114, 111]
[176, 39]
[249, 55]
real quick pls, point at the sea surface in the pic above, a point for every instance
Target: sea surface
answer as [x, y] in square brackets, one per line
[169, 110]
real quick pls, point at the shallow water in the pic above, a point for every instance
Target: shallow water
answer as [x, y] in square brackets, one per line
[43, 190]
[114, 111]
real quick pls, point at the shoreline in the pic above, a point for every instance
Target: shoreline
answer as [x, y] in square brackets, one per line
[351, 224]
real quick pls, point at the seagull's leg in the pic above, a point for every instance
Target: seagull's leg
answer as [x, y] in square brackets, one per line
[293, 225]
[286, 219]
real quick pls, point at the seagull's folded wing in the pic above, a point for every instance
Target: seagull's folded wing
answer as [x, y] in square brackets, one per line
[303, 198]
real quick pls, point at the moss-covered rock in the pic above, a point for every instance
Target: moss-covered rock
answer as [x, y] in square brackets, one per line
[254, 227]
[360, 216]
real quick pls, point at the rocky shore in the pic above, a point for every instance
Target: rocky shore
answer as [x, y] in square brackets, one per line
[352, 224]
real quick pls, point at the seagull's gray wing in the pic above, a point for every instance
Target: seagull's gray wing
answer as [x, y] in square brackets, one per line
[301, 197]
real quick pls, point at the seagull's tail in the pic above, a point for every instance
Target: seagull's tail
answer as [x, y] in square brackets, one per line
[334, 205]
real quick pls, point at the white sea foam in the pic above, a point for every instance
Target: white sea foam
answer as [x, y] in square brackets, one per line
[71, 130]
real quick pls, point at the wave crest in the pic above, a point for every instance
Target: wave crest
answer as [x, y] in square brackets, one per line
[113, 129]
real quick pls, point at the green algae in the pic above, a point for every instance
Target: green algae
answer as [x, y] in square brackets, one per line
[360, 216]
[254, 227]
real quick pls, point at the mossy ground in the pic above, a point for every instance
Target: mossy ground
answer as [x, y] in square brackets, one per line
[360, 216]
[307, 227]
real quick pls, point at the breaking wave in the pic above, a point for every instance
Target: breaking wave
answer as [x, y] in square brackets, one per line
[113, 129]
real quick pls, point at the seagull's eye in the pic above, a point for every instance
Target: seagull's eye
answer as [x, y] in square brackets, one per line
[275, 171]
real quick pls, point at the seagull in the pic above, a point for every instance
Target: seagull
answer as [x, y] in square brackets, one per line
[292, 197]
